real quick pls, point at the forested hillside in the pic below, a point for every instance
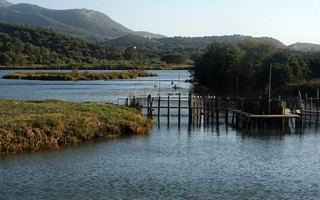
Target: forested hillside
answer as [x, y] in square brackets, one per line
[28, 45]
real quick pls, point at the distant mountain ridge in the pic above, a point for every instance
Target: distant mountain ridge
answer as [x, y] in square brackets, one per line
[304, 47]
[88, 24]
[100, 28]
[4, 3]
[188, 42]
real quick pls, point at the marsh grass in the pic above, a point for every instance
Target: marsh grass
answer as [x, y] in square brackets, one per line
[76, 75]
[50, 124]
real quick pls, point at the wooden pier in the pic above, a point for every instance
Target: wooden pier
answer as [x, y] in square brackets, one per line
[245, 113]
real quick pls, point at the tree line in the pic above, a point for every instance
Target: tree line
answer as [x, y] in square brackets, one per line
[245, 67]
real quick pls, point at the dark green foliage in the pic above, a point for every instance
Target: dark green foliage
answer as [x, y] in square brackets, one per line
[315, 67]
[216, 66]
[174, 58]
[225, 66]
[131, 53]
[26, 45]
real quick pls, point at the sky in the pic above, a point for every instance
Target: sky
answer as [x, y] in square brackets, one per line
[289, 21]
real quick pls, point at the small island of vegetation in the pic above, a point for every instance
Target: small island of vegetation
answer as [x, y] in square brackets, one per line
[76, 75]
[50, 124]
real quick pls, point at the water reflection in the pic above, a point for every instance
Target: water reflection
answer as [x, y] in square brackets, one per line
[271, 130]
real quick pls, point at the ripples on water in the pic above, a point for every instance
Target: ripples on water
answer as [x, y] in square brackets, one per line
[212, 162]
[173, 163]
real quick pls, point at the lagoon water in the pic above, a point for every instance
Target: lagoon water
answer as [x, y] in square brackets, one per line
[197, 162]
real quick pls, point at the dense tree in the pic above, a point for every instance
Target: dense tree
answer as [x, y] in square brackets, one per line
[215, 69]
[174, 58]
[315, 67]
[287, 67]
[131, 53]
[223, 64]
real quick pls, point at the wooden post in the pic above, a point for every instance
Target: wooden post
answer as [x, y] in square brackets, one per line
[208, 108]
[197, 109]
[305, 102]
[204, 108]
[134, 101]
[201, 109]
[226, 111]
[179, 110]
[299, 100]
[168, 105]
[159, 103]
[311, 108]
[317, 106]
[190, 107]
[217, 110]
[318, 96]
[149, 106]
[212, 109]
[168, 109]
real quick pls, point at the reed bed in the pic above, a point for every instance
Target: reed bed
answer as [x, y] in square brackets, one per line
[50, 124]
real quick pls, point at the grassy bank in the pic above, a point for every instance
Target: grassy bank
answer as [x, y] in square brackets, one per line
[76, 75]
[49, 124]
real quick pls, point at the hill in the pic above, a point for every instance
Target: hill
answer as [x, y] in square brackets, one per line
[203, 42]
[4, 3]
[22, 45]
[88, 24]
[133, 41]
[304, 47]
[149, 44]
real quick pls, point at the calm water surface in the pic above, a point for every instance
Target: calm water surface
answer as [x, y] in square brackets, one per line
[212, 162]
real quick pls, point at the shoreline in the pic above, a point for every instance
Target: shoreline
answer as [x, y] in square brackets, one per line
[75, 75]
